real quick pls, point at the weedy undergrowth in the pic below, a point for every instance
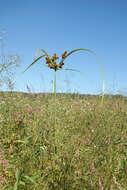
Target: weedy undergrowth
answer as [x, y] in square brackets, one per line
[91, 142]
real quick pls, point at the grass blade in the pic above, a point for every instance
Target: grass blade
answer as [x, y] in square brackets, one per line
[72, 70]
[84, 49]
[73, 51]
[33, 62]
[30, 179]
[42, 51]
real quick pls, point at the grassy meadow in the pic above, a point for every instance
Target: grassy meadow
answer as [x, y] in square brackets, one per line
[72, 143]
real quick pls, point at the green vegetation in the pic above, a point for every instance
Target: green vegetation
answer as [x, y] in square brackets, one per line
[87, 152]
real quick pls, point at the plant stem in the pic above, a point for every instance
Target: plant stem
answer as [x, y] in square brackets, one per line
[103, 92]
[55, 97]
[55, 83]
[55, 110]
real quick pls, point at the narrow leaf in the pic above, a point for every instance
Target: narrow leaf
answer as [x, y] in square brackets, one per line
[84, 49]
[15, 186]
[30, 179]
[17, 174]
[33, 62]
[42, 51]
[21, 141]
[81, 49]
[72, 70]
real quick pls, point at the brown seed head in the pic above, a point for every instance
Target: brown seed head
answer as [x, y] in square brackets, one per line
[50, 65]
[64, 54]
[55, 57]
[48, 60]
[54, 66]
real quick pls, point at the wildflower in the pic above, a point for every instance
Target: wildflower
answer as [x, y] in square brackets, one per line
[4, 163]
[1, 150]
[2, 179]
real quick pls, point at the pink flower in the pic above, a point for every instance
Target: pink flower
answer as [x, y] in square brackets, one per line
[2, 179]
[4, 163]
[1, 150]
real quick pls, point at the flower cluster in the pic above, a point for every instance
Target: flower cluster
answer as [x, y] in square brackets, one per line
[51, 61]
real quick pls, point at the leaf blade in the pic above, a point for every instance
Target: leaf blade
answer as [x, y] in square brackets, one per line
[30, 179]
[74, 50]
[46, 54]
[72, 70]
[33, 63]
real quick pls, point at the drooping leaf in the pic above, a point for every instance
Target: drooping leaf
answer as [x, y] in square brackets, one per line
[33, 62]
[46, 54]
[72, 70]
[84, 49]
[73, 51]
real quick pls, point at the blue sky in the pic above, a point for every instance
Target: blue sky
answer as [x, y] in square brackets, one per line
[59, 25]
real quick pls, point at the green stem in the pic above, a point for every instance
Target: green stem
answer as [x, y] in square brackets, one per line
[55, 82]
[55, 95]
[55, 110]
[103, 93]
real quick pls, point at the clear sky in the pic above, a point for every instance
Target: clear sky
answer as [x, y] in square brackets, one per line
[59, 25]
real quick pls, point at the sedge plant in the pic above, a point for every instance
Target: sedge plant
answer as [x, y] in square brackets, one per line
[52, 63]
